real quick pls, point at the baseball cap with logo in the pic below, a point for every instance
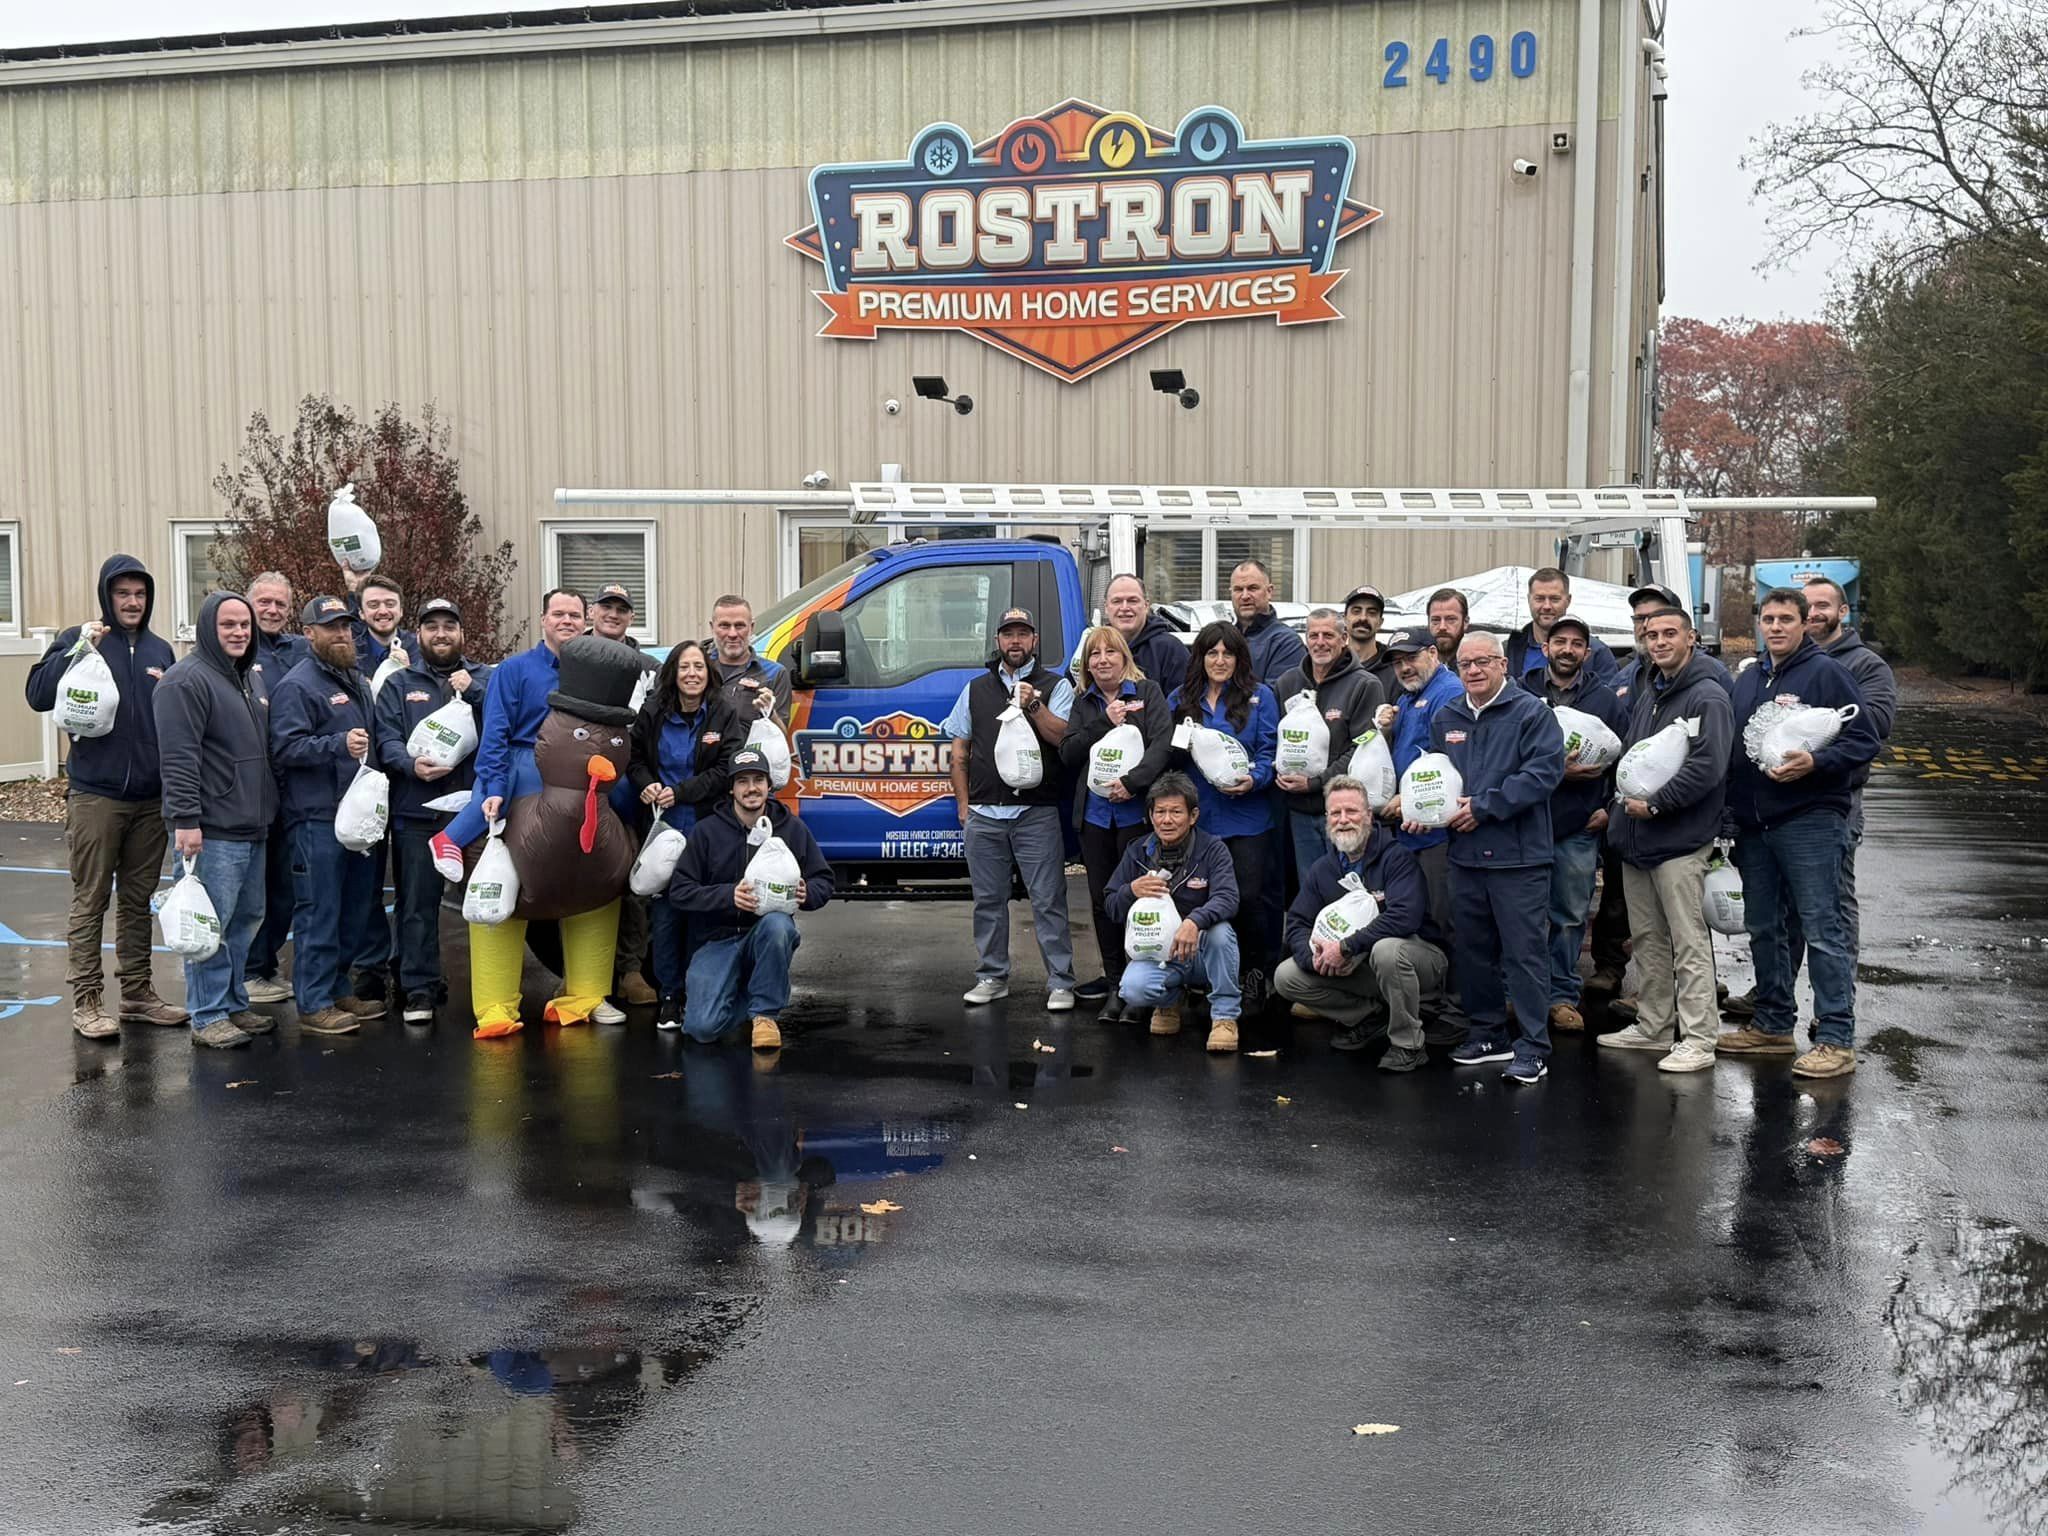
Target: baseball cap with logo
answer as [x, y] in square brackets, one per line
[1653, 593]
[434, 605]
[1366, 594]
[1408, 642]
[324, 610]
[1016, 618]
[613, 592]
[1573, 621]
[747, 760]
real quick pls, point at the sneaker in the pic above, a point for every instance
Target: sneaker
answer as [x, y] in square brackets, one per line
[1740, 1006]
[1403, 1058]
[607, 1012]
[1165, 1021]
[361, 1007]
[1750, 1041]
[269, 989]
[668, 1014]
[634, 991]
[329, 1021]
[1636, 1038]
[1353, 1037]
[447, 856]
[1060, 1000]
[1522, 1072]
[1094, 990]
[91, 1019]
[1825, 1061]
[1563, 1016]
[1624, 1008]
[986, 990]
[1477, 1053]
[251, 1023]
[1222, 1036]
[1303, 1011]
[1112, 1011]
[221, 1035]
[767, 1036]
[419, 1007]
[148, 1008]
[1688, 1056]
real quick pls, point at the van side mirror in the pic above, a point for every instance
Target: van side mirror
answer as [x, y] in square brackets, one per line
[821, 655]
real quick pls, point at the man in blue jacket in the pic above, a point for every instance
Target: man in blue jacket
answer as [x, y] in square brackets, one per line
[220, 797]
[439, 676]
[1528, 648]
[740, 955]
[1193, 870]
[113, 808]
[1578, 811]
[278, 650]
[1664, 841]
[1792, 826]
[319, 739]
[377, 608]
[1160, 652]
[1508, 752]
[1276, 649]
[1383, 970]
[1427, 685]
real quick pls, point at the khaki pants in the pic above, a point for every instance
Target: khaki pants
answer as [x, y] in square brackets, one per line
[114, 843]
[1393, 983]
[1674, 948]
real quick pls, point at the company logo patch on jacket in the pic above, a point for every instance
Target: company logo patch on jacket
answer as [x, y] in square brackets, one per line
[418, 696]
[1454, 738]
[337, 699]
[711, 738]
[1333, 714]
[1198, 882]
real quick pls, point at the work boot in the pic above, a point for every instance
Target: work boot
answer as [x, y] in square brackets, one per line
[1112, 1011]
[361, 1007]
[370, 987]
[1564, 1016]
[269, 989]
[250, 1022]
[329, 1021]
[147, 1008]
[1403, 1058]
[1749, 1041]
[221, 1035]
[1624, 1008]
[767, 1036]
[1825, 1061]
[1740, 1006]
[92, 1020]
[1223, 1036]
[1165, 1021]
[634, 991]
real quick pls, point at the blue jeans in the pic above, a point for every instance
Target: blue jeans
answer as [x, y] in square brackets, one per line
[1571, 899]
[520, 779]
[1798, 864]
[334, 892]
[665, 946]
[735, 978]
[277, 903]
[1149, 984]
[233, 876]
[1310, 843]
[1501, 951]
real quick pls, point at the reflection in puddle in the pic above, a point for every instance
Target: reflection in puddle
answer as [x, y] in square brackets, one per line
[1972, 1345]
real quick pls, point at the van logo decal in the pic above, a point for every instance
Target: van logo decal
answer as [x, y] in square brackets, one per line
[1075, 237]
[900, 762]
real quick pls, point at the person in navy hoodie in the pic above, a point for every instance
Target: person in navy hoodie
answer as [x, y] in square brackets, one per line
[1510, 755]
[439, 674]
[1276, 649]
[1792, 827]
[1193, 870]
[1222, 692]
[113, 805]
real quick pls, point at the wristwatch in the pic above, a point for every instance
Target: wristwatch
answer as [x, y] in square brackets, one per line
[1034, 706]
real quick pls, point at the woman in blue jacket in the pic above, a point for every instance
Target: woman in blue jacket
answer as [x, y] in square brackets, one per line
[683, 740]
[1222, 692]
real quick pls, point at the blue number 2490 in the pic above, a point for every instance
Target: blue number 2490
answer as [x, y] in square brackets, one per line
[1479, 54]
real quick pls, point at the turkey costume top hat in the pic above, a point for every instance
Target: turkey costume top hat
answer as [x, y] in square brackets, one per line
[598, 676]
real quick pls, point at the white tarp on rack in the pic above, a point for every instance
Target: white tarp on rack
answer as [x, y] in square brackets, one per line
[1499, 600]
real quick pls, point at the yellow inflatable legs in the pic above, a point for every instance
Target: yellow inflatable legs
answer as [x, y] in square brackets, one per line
[497, 955]
[590, 948]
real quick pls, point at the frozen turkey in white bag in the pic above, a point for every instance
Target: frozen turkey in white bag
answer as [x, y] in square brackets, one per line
[1149, 929]
[351, 536]
[445, 737]
[1304, 746]
[765, 737]
[1019, 762]
[364, 811]
[773, 872]
[395, 661]
[1352, 912]
[1803, 728]
[185, 911]
[492, 894]
[1431, 790]
[1373, 766]
[657, 860]
[1722, 889]
[87, 697]
[1654, 761]
[1588, 735]
[1219, 756]
[1119, 751]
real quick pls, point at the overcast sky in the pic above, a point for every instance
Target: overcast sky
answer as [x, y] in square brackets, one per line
[1733, 69]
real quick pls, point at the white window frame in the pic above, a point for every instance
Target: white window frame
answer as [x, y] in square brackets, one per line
[185, 626]
[646, 620]
[11, 627]
[1216, 577]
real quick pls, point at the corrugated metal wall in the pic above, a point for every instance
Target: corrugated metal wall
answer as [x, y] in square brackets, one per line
[579, 258]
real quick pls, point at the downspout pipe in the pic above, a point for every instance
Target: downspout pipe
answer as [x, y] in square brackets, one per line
[1585, 185]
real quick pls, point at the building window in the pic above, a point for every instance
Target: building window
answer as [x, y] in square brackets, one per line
[195, 570]
[10, 578]
[585, 555]
[1187, 565]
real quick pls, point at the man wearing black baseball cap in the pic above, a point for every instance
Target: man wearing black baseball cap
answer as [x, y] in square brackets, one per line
[1364, 611]
[740, 955]
[1006, 827]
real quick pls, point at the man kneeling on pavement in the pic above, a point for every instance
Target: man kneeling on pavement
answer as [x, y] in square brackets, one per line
[738, 955]
[1385, 969]
[1193, 869]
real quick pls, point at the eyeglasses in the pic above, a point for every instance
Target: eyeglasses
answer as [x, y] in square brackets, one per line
[1479, 663]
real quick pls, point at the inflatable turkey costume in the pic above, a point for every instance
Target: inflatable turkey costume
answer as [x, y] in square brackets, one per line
[571, 850]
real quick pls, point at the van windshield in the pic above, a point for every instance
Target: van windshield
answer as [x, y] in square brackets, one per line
[768, 618]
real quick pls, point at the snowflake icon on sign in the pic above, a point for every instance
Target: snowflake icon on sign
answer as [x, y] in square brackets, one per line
[940, 157]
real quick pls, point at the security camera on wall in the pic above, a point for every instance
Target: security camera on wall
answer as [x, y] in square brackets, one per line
[1524, 167]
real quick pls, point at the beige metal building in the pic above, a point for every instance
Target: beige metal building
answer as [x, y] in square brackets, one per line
[571, 235]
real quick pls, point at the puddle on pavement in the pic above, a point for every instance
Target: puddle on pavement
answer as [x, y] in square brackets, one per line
[1901, 1050]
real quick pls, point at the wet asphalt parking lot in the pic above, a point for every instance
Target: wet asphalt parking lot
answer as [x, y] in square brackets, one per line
[1006, 1273]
